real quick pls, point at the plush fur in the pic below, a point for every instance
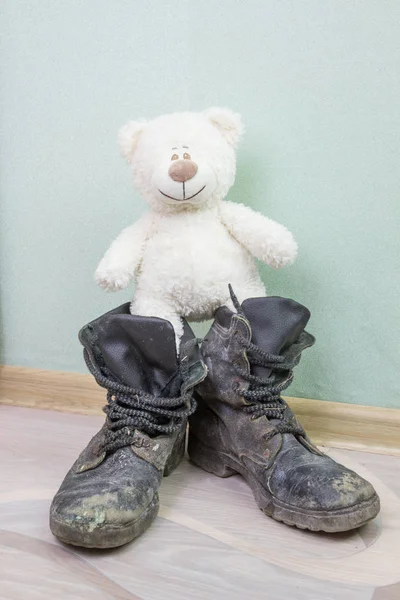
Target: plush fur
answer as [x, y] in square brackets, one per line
[192, 243]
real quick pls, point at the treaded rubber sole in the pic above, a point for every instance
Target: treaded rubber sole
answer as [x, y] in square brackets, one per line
[330, 521]
[106, 536]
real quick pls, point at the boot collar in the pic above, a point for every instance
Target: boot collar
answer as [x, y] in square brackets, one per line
[140, 352]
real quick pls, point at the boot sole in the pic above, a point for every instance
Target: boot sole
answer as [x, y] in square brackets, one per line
[106, 536]
[331, 521]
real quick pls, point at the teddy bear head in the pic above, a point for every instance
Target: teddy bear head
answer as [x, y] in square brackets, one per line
[183, 161]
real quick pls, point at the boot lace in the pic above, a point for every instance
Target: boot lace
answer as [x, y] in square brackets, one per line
[128, 409]
[263, 393]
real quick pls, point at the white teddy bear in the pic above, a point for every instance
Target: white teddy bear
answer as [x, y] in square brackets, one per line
[192, 243]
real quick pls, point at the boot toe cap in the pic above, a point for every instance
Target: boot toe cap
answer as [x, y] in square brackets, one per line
[103, 519]
[108, 505]
[320, 485]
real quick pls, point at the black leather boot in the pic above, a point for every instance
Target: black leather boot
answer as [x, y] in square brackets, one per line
[110, 495]
[242, 425]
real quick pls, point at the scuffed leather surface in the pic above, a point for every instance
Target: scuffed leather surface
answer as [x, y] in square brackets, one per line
[115, 492]
[155, 450]
[93, 454]
[221, 391]
[290, 467]
[111, 490]
[141, 353]
[310, 481]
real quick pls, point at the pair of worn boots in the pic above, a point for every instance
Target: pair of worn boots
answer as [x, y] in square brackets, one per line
[229, 390]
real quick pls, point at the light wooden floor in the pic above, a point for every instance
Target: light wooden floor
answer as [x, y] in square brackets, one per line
[210, 540]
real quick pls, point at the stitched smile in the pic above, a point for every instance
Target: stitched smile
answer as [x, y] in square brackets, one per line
[182, 199]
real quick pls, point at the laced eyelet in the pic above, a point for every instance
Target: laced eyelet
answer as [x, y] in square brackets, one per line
[128, 409]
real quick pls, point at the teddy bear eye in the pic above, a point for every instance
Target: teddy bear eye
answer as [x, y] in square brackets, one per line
[187, 156]
[174, 157]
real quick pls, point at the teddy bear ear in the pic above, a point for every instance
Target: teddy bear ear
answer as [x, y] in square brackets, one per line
[128, 138]
[228, 123]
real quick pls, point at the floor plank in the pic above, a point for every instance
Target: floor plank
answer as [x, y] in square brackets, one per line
[209, 541]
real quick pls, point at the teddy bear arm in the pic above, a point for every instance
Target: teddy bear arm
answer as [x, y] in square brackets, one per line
[264, 238]
[118, 266]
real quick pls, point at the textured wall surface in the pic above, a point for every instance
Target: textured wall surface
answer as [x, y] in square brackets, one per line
[317, 84]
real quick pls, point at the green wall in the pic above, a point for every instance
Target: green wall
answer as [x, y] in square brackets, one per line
[318, 86]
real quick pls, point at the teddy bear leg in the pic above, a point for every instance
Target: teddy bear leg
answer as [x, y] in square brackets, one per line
[147, 307]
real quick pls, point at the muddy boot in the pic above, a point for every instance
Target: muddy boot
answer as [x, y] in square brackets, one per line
[242, 425]
[110, 495]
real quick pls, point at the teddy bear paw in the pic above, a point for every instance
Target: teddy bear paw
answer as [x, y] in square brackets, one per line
[285, 255]
[112, 281]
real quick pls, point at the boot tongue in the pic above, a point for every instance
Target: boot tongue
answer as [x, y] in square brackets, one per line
[276, 323]
[139, 351]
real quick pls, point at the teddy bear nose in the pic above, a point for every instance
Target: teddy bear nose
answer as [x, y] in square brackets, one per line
[182, 170]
